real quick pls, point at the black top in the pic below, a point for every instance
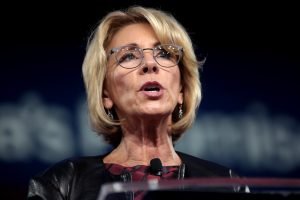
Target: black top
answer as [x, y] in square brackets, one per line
[81, 178]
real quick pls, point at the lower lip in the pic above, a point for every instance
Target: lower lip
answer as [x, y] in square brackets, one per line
[153, 94]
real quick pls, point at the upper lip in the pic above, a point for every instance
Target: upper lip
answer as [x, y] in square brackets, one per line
[151, 84]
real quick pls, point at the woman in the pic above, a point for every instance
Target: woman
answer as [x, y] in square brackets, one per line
[142, 82]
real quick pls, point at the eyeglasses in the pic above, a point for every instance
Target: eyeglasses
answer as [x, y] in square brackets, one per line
[130, 56]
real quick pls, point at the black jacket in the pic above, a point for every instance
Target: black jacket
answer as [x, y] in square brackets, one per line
[81, 178]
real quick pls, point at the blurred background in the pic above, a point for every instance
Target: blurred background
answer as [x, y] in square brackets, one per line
[248, 120]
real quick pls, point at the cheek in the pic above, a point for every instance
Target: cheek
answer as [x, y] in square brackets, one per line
[121, 83]
[176, 81]
[177, 87]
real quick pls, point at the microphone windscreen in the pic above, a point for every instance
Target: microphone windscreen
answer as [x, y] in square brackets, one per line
[156, 166]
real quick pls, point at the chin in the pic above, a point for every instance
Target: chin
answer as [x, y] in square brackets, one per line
[156, 112]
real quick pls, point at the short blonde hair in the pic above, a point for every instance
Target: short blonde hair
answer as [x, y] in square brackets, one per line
[168, 30]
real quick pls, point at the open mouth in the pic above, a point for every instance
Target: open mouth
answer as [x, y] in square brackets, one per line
[151, 87]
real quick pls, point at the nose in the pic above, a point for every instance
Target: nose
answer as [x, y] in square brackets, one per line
[150, 64]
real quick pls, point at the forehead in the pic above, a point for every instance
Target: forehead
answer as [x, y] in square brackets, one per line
[141, 34]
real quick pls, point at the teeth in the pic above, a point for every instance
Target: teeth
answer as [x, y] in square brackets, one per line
[152, 89]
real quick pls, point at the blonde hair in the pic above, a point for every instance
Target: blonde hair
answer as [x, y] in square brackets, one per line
[168, 30]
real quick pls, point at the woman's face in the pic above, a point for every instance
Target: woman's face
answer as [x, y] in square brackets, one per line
[148, 90]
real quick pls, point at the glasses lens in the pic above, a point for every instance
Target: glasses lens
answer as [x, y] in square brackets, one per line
[167, 55]
[129, 57]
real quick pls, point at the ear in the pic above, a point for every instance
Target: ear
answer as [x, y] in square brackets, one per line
[107, 101]
[180, 98]
[180, 95]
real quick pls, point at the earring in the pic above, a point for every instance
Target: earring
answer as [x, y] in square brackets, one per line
[180, 113]
[109, 114]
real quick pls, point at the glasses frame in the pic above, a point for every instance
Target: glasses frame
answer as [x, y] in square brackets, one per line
[141, 50]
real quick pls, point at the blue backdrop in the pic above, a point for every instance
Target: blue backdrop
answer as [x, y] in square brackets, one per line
[248, 119]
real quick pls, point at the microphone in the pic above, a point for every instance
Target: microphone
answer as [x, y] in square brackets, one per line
[156, 167]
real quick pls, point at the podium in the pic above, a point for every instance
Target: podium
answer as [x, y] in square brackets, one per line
[205, 188]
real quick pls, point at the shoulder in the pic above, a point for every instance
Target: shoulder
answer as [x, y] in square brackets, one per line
[69, 166]
[57, 180]
[197, 167]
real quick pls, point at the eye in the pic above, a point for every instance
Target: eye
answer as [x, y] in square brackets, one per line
[162, 53]
[127, 55]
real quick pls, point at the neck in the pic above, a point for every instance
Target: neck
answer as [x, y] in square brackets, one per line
[143, 141]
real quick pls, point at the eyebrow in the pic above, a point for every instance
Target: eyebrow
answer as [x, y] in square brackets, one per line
[131, 44]
[156, 43]
[135, 44]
